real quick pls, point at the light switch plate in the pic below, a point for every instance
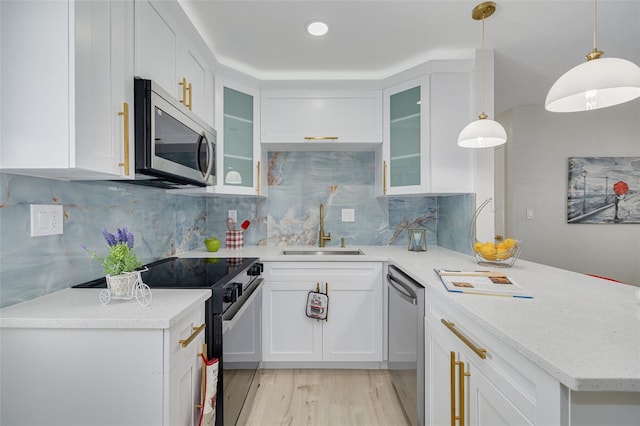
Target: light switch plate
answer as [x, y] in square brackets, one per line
[348, 215]
[530, 213]
[233, 215]
[46, 219]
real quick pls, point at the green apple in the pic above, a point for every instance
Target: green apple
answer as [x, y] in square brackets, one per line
[212, 244]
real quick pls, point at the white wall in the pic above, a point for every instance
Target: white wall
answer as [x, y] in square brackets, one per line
[539, 145]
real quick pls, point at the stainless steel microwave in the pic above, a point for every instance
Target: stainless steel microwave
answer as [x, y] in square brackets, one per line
[173, 147]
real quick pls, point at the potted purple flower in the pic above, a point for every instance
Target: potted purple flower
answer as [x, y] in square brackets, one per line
[119, 265]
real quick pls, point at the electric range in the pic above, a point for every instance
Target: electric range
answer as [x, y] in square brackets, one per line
[232, 316]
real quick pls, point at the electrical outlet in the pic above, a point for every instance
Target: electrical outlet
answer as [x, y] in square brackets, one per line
[46, 219]
[348, 215]
[233, 215]
[529, 213]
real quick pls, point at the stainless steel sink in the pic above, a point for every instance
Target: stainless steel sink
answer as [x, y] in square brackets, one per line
[322, 252]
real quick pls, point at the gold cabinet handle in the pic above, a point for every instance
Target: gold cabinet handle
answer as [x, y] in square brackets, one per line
[384, 177]
[196, 330]
[452, 366]
[125, 115]
[258, 184]
[326, 291]
[320, 138]
[190, 90]
[461, 392]
[203, 375]
[183, 83]
[482, 353]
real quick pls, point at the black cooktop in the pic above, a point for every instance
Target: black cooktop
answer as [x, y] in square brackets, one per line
[175, 272]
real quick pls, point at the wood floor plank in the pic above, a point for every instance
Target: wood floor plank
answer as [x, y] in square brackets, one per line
[322, 397]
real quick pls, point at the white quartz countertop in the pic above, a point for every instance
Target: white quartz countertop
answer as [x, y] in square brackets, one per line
[583, 331]
[81, 308]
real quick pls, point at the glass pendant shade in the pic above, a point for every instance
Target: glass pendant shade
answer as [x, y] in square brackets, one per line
[594, 84]
[482, 133]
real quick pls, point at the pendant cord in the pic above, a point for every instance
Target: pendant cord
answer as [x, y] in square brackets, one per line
[595, 28]
[483, 60]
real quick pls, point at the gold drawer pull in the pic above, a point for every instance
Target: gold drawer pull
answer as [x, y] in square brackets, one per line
[482, 353]
[196, 330]
[320, 138]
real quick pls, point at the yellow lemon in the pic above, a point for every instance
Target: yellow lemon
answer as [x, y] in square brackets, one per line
[488, 252]
[501, 246]
[510, 242]
[477, 246]
[502, 254]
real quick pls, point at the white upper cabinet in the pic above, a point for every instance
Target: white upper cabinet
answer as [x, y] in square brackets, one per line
[422, 119]
[238, 144]
[450, 109]
[316, 117]
[67, 89]
[169, 52]
[405, 149]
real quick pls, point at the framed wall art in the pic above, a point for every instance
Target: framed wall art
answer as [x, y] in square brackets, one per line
[604, 190]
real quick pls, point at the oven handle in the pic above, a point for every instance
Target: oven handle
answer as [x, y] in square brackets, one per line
[229, 320]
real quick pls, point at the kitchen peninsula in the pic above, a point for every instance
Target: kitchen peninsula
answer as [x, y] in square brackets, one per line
[579, 336]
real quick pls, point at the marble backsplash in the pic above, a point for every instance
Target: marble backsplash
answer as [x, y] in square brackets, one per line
[169, 224]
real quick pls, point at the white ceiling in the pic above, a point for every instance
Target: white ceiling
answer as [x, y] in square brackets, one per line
[535, 41]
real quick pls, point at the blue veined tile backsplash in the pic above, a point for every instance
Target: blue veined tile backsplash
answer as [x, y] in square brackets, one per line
[162, 225]
[168, 224]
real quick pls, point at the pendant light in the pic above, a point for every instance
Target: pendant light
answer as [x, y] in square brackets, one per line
[482, 133]
[597, 83]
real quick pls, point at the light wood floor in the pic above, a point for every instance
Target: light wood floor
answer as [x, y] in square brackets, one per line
[325, 398]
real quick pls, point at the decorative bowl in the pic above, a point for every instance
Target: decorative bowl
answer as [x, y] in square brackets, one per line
[500, 252]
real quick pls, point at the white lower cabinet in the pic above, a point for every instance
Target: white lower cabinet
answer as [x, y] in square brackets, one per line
[463, 388]
[353, 329]
[459, 388]
[102, 376]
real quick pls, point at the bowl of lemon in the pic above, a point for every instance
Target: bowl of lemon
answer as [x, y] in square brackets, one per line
[499, 252]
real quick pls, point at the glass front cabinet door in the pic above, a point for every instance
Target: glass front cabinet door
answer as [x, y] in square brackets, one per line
[404, 150]
[237, 117]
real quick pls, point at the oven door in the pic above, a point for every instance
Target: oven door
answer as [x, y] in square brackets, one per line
[242, 351]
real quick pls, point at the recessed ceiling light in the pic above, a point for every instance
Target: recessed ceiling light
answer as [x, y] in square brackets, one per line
[317, 28]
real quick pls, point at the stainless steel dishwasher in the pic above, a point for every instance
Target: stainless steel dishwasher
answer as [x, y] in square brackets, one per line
[406, 342]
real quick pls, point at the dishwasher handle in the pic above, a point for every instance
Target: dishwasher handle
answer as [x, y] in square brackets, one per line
[403, 289]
